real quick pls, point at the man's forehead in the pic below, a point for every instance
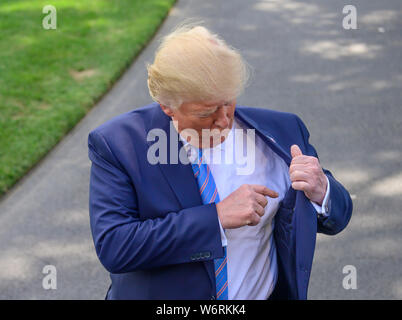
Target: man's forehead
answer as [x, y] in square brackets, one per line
[208, 104]
[214, 103]
[201, 106]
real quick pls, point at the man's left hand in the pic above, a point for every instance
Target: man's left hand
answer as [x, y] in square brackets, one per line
[307, 175]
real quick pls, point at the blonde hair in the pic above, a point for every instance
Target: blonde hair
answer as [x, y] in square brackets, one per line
[194, 65]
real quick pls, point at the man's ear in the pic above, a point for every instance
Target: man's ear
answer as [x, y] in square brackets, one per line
[167, 110]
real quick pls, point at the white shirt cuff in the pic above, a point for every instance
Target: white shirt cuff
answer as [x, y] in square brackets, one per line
[223, 236]
[323, 209]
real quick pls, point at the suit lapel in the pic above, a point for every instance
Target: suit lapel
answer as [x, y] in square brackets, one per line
[264, 134]
[306, 225]
[179, 176]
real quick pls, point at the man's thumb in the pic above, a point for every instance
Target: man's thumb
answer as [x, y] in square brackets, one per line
[295, 151]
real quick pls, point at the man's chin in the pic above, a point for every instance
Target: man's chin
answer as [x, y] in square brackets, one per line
[216, 139]
[209, 139]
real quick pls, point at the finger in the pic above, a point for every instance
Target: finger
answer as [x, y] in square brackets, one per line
[299, 176]
[299, 167]
[295, 151]
[262, 200]
[256, 219]
[259, 209]
[264, 191]
[302, 159]
[301, 185]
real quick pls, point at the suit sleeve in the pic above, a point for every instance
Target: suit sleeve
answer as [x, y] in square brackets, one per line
[340, 204]
[123, 241]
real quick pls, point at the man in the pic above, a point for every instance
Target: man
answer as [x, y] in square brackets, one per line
[170, 222]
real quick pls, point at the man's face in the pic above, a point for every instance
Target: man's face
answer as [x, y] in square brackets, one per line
[215, 116]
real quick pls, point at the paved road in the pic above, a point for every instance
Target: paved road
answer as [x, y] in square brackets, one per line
[345, 84]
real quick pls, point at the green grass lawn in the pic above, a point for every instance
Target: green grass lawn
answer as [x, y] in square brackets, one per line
[49, 79]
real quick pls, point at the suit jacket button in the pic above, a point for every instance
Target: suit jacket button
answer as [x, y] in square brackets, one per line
[213, 298]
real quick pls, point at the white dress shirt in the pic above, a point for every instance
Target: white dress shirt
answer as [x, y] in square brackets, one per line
[251, 253]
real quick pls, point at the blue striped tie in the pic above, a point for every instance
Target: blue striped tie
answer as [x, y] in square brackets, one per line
[209, 194]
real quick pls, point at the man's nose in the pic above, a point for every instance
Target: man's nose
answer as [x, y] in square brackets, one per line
[222, 118]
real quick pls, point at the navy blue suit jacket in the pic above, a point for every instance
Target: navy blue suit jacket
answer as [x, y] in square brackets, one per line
[154, 235]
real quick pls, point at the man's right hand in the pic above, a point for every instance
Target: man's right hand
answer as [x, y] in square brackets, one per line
[244, 206]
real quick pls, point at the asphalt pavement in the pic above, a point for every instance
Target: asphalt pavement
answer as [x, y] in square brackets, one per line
[346, 86]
